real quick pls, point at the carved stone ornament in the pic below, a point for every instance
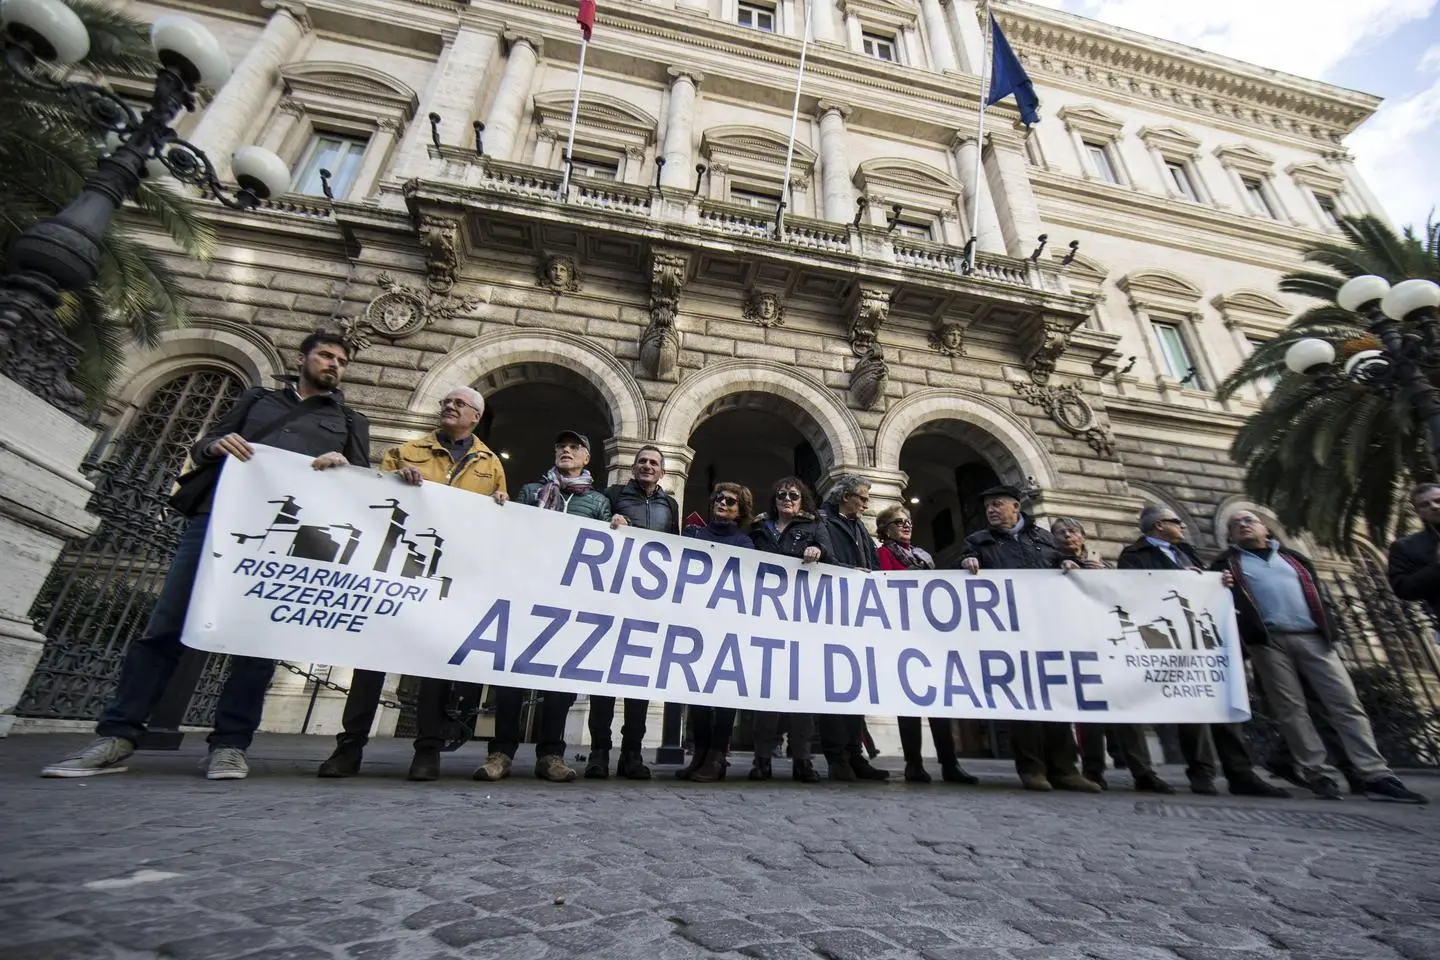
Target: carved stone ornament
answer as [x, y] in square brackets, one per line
[872, 308]
[1066, 405]
[949, 339]
[559, 273]
[401, 311]
[764, 309]
[867, 380]
[440, 238]
[1054, 337]
[660, 343]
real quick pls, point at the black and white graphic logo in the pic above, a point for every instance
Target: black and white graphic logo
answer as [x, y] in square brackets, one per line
[1161, 633]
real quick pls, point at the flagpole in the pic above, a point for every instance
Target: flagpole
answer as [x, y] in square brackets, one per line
[974, 241]
[574, 115]
[794, 124]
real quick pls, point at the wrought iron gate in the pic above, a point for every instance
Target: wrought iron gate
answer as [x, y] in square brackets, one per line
[100, 594]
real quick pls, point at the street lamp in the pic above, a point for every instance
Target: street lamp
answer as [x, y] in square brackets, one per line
[1403, 319]
[64, 252]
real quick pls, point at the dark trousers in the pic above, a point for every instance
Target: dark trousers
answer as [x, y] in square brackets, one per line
[912, 745]
[1202, 744]
[1043, 749]
[602, 719]
[710, 727]
[151, 660]
[767, 733]
[363, 702]
[554, 707]
[1129, 737]
[841, 736]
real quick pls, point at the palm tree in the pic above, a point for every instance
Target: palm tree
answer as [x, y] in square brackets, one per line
[47, 148]
[1327, 457]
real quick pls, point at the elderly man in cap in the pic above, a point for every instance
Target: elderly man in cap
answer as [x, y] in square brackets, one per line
[1045, 754]
[450, 454]
[567, 488]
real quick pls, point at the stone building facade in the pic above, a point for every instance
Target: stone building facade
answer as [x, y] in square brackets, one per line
[658, 303]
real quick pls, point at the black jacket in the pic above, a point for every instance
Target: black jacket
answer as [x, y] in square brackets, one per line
[1414, 568]
[658, 511]
[1247, 612]
[806, 530]
[1033, 549]
[851, 542]
[1144, 555]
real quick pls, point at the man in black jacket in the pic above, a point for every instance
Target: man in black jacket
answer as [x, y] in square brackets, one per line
[842, 738]
[1045, 754]
[1162, 546]
[308, 416]
[642, 503]
[1414, 567]
[1288, 633]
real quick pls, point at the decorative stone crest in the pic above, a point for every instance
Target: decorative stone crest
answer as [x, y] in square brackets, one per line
[872, 308]
[1066, 405]
[401, 311]
[440, 239]
[764, 309]
[949, 339]
[660, 343]
[559, 273]
[867, 380]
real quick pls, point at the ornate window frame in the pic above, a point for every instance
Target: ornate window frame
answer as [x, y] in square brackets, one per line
[1314, 179]
[1242, 161]
[1252, 316]
[605, 126]
[900, 19]
[1171, 145]
[1158, 296]
[753, 158]
[1087, 123]
[923, 192]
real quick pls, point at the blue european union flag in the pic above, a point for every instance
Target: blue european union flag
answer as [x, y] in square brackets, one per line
[1007, 77]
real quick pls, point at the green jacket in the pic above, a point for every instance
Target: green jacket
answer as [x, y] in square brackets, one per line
[594, 504]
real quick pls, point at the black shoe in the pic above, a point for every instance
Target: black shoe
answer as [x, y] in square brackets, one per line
[598, 766]
[1358, 787]
[761, 769]
[865, 771]
[1205, 786]
[1097, 778]
[1391, 789]
[915, 772]
[632, 766]
[804, 771]
[344, 762]
[1150, 783]
[1253, 786]
[954, 773]
[840, 769]
[1324, 788]
[1288, 772]
[425, 766]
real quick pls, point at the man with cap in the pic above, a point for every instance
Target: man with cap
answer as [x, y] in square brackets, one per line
[1045, 754]
[567, 488]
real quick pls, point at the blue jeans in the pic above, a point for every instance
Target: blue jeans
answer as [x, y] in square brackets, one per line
[151, 659]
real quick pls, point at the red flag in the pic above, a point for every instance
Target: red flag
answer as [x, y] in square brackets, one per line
[586, 17]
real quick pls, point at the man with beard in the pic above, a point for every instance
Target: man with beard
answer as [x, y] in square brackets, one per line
[1045, 754]
[306, 416]
[567, 488]
[450, 454]
[642, 503]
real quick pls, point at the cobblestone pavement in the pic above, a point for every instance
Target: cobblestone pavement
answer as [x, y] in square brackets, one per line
[158, 862]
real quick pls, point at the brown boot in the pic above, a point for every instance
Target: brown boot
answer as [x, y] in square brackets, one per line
[712, 770]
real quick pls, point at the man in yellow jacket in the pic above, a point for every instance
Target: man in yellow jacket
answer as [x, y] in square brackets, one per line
[450, 454]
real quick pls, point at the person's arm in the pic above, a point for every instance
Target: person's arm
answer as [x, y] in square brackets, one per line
[1409, 578]
[231, 423]
[603, 511]
[674, 515]
[357, 438]
[820, 531]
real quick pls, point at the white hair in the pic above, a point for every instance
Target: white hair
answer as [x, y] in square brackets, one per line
[472, 397]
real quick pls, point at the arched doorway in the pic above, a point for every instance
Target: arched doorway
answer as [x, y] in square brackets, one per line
[754, 439]
[527, 404]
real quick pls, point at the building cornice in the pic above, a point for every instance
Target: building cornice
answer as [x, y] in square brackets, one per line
[1147, 419]
[1085, 55]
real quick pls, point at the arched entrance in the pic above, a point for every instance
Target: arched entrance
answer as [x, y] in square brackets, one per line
[753, 439]
[527, 404]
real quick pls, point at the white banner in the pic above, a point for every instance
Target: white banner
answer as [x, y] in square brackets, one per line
[355, 568]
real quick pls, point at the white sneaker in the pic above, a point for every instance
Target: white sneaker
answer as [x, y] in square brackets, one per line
[226, 763]
[101, 755]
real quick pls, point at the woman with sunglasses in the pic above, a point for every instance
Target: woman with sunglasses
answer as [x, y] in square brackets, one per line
[730, 509]
[791, 528]
[898, 553]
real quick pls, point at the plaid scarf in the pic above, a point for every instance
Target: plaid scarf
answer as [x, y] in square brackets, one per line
[913, 557]
[555, 488]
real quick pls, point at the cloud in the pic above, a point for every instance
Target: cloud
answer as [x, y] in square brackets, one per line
[1395, 152]
[1430, 60]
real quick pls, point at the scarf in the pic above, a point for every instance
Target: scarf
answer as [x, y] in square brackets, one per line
[723, 528]
[555, 488]
[911, 556]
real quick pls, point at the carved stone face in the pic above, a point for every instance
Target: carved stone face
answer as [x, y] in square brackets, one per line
[766, 307]
[559, 272]
[952, 335]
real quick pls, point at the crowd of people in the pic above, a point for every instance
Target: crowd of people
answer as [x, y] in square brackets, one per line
[1285, 629]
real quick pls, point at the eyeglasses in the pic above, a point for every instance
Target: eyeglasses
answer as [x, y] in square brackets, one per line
[900, 523]
[788, 495]
[454, 402]
[725, 500]
[1175, 520]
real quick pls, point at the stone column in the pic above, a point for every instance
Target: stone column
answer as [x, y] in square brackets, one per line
[454, 86]
[937, 30]
[42, 506]
[822, 21]
[377, 154]
[507, 111]
[969, 33]
[854, 31]
[836, 191]
[287, 117]
[679, 140]
[1009, 179]
[236, 106]
[987, 225]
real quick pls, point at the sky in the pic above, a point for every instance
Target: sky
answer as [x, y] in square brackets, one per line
[1390, 48]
